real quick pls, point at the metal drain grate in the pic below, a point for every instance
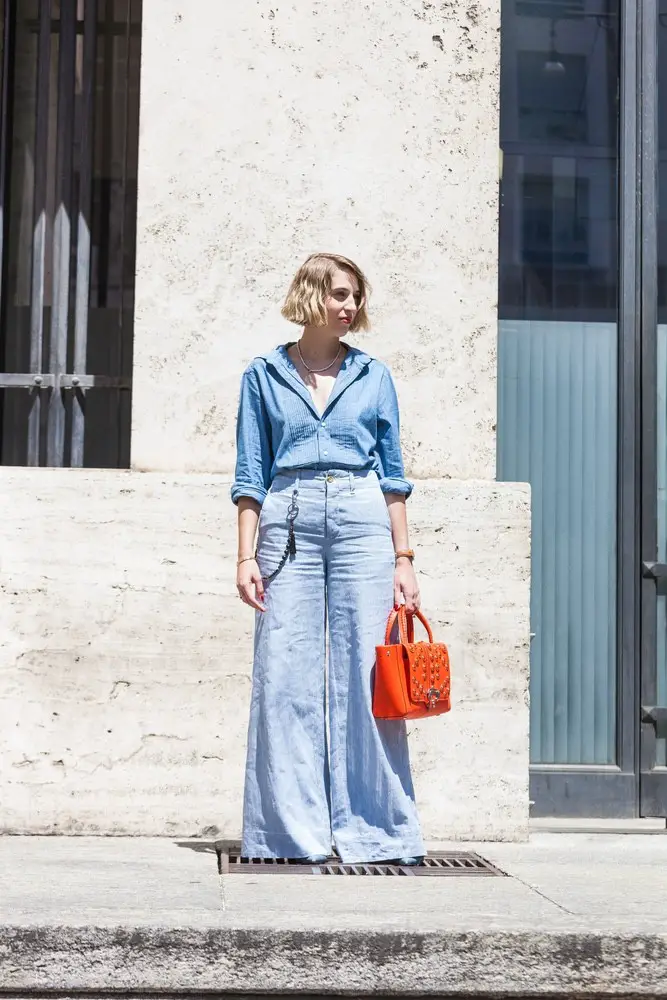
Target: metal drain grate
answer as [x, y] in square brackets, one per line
[442, 863]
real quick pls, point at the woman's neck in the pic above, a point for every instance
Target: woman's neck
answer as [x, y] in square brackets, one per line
[318, 344]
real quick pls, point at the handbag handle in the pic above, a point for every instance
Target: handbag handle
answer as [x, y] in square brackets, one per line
[393, 615]
[406, 625]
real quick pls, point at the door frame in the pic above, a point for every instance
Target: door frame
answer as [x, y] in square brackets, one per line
[653, 779]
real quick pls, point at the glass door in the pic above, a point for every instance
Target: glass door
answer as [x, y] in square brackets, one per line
[560, 384]
[582, 402]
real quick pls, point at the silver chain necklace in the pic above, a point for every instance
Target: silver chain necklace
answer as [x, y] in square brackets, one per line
[317, 371]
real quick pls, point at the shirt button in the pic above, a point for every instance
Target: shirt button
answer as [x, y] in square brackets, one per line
[325, 452]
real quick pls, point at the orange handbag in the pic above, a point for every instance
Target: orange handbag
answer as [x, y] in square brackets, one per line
[411, 678]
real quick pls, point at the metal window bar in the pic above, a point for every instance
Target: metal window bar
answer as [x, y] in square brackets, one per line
[5, 121]
[56, 432]
[39, 230]
[6, 26]
[128, 242]
[62, 232]
[84, 243]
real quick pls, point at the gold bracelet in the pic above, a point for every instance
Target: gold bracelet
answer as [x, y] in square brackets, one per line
[245, 559]
[404, 553]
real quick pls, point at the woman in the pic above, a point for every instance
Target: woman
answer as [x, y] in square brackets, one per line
[319, 475]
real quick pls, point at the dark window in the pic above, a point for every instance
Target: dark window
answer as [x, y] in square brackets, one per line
[559, 136]
[68, 184]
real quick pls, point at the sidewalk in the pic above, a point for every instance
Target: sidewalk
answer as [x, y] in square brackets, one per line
[580, 914]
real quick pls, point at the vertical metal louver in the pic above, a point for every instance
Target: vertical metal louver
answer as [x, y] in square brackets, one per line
[68, 197]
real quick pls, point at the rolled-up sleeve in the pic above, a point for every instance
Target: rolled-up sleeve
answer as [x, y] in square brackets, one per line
[390, 458]
[253, 446]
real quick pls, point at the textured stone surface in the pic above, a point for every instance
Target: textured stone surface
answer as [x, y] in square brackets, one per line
[271, 131]
[355, 961]
[125, 655]
[577, 916]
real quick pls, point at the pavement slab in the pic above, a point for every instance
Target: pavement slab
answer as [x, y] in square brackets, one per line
[577, 915]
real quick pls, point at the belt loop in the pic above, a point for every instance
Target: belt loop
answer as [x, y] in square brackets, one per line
[351, 477]
[297, 480]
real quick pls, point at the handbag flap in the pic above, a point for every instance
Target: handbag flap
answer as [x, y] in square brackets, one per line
[429, 672]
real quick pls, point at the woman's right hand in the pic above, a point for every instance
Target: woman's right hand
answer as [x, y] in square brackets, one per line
[249, 584]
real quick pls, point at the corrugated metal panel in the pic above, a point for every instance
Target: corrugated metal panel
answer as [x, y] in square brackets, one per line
[557, 429]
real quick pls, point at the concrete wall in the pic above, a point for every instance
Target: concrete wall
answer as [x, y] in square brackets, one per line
[267, 133]
[271, 130]
[125, 657]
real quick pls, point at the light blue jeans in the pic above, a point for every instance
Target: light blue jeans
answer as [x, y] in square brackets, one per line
[320, 768]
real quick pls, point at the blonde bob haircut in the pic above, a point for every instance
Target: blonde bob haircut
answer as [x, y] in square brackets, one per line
[305, 303]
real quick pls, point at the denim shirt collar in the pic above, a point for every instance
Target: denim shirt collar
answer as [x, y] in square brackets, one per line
[354, 362]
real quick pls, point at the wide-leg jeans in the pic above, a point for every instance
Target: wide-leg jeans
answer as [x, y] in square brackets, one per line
[320, 768]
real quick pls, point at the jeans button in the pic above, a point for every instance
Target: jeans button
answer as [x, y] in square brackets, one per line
[331, 479]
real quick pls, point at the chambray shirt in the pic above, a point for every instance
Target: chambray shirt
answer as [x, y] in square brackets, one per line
[279, 427]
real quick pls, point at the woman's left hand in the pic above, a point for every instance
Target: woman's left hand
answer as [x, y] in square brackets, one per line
[405, 584]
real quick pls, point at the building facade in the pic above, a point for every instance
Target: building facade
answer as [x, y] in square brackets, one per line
[163, 170]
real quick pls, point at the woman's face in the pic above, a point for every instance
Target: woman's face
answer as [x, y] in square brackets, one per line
[342, 303]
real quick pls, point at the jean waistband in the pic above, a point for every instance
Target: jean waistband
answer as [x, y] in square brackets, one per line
[305, 478]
